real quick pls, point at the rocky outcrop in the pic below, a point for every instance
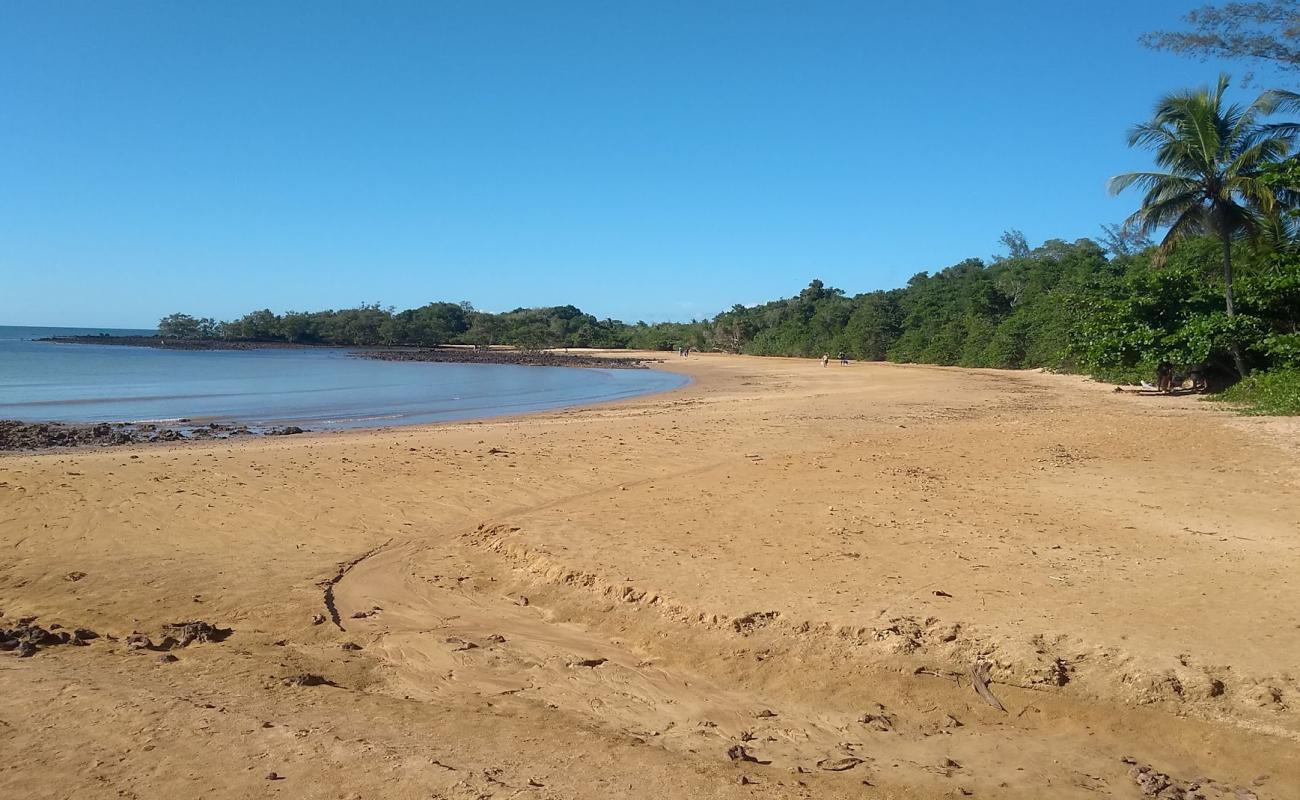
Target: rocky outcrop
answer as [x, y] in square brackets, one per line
[525, 358]
[17, 435]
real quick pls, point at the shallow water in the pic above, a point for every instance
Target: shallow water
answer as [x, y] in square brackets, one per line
[320, 388]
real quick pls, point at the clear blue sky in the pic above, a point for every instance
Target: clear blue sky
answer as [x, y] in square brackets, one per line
[640, 160]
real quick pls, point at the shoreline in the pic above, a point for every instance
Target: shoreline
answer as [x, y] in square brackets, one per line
[22, 437]
[445, 354]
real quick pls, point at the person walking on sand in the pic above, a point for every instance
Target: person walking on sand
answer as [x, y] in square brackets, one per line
[844, 359]
[826, 359]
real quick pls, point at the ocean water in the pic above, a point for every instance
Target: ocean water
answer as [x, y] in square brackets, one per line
[315, 388]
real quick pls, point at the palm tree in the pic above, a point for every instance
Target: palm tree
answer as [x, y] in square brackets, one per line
[1213, 153]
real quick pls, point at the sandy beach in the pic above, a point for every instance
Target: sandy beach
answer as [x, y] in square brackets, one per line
[775, 582]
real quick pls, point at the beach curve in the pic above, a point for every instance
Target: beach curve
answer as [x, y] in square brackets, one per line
[800, 562]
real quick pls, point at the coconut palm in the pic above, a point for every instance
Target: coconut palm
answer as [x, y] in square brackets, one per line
[1213, 153]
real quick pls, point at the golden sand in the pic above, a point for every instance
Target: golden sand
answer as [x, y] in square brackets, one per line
[772, 583]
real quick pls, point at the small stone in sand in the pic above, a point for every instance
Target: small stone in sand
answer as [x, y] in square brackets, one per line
[738, 753]
[839, 764]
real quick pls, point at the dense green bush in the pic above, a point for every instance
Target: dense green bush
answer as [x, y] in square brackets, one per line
[1273, 392]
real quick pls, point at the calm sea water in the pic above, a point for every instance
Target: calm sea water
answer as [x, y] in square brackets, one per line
[319, 388]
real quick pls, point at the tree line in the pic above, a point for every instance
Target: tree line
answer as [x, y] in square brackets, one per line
[1220, 293]
[431, 325]
[1101, 307]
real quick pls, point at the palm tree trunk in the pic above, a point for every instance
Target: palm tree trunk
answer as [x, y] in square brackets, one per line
[1233, 347]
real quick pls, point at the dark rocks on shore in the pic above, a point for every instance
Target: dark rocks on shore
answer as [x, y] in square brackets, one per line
[465, 355]
[307, 679]
[186, 633]
[170, 343]
[449, 355]
[27, 638]
[178, 634]
[17, 435]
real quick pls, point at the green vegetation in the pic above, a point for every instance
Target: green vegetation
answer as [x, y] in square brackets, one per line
[1263, 32]
[1219, 295]
[427, 326]
[1214, 154]
[1069, 306]
[183, 326]
[1267, 393]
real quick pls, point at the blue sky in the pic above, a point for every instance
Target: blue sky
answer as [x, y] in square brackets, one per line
[642, 161]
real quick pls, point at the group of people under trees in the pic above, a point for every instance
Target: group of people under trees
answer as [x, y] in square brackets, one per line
[1165, 378]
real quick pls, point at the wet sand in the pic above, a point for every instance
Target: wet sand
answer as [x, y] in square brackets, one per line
[772, 583]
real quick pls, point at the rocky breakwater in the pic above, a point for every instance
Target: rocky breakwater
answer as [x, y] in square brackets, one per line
[16, 435]
[525, 358]
[172, 343]
[447, 355]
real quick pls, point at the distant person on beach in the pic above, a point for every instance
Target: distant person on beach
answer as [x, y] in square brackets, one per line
[1165, 377]
[844, 359]
[826, 359]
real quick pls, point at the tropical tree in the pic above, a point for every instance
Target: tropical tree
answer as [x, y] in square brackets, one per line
[183, 326]
[1213, 153]
[1263, 31]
